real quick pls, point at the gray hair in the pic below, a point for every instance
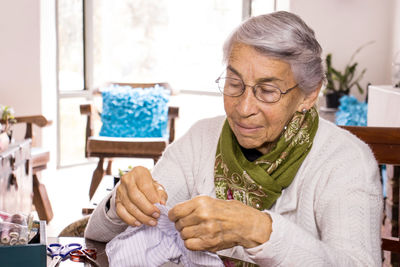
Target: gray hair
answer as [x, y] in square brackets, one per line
[285, 36]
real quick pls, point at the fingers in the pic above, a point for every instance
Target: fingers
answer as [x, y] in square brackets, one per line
[161, 192]
[210, 236]
[195, 244]
[136, 196]
[141, 199]
[185, 208]
[187, 221]
[132, 211]
[192, 231]
[140, 178]
[200, 244]
[180, 210]
[208, 224]
[194, 240]
[124, 214]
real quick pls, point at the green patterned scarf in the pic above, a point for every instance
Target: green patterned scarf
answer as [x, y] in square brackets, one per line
[260, 183]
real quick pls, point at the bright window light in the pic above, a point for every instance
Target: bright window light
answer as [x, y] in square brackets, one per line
[177, 41]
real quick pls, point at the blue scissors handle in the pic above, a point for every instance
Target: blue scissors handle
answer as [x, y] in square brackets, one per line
[57, 249]
[69, 248]
[54, 249]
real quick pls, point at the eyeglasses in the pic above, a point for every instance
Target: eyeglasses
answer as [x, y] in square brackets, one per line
[264, 92]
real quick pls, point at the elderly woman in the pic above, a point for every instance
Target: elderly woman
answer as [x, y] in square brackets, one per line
[271, 182]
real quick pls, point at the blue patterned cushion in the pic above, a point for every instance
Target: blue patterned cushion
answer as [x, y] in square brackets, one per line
[351, 112]
[134, 112]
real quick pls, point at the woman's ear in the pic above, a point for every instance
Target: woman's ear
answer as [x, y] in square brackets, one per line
[310, 99]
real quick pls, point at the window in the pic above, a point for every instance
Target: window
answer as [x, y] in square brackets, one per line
[177, 41]
[70, 45]
[259, 7]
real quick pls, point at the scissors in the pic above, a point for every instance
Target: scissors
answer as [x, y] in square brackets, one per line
[59, 252]
[85, 255]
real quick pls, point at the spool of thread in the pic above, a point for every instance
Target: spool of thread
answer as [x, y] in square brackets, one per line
[18, 220]
[23, 235]
[14, 231]
[5, 237]
[13, 241]
[11, 230]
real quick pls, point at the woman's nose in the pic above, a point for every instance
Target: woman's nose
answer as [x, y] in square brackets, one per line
[247, 103]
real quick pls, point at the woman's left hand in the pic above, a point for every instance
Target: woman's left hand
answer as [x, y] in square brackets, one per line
[212, 224]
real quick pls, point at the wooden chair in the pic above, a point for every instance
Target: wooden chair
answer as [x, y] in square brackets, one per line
[111, 147]
[40, 158]
[385, 144]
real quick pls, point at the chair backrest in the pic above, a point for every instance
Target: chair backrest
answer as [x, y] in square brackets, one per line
[89, 110]
[385, 144]
[38, 120]
[383, 141]
[173, 112]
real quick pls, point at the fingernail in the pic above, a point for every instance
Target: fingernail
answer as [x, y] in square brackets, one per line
[155, 215]
[152, 222]
[137, 223]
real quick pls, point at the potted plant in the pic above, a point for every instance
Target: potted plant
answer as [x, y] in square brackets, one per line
[339, 83]
[6, 121]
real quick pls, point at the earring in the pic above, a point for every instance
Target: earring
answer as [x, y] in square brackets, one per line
[304, 111]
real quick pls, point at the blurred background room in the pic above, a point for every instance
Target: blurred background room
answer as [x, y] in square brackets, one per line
[55, 56]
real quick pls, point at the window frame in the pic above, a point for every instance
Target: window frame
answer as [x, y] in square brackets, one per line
[88, 87]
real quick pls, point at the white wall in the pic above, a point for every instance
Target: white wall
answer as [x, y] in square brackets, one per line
[28, 64]
[19, 55]
[341, 26]
[396, 30]
[48, 75]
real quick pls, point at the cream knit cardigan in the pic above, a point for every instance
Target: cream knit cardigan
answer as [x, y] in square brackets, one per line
[329, 216]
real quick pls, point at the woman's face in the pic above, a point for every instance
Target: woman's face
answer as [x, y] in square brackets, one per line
[257, 124]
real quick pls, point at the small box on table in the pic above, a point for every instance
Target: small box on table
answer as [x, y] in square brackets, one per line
[32, 255]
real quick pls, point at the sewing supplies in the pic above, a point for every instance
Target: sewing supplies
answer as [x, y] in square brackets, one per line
[59, 252]
[14, 229]
[84, 255]
[5, 230]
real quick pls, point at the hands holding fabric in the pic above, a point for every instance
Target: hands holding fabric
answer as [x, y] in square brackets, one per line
[136, 196]
[204, 223]
[211, 224]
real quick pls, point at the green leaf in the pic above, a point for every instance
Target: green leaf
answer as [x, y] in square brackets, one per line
[344, 80]
[359, 88]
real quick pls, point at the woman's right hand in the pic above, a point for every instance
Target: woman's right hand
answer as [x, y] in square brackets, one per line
[136, 195]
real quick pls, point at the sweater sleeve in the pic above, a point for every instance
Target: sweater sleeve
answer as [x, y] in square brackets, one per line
[348, 213]
[103, 225]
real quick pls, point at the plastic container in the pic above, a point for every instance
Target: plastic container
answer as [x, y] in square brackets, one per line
[32, 254]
